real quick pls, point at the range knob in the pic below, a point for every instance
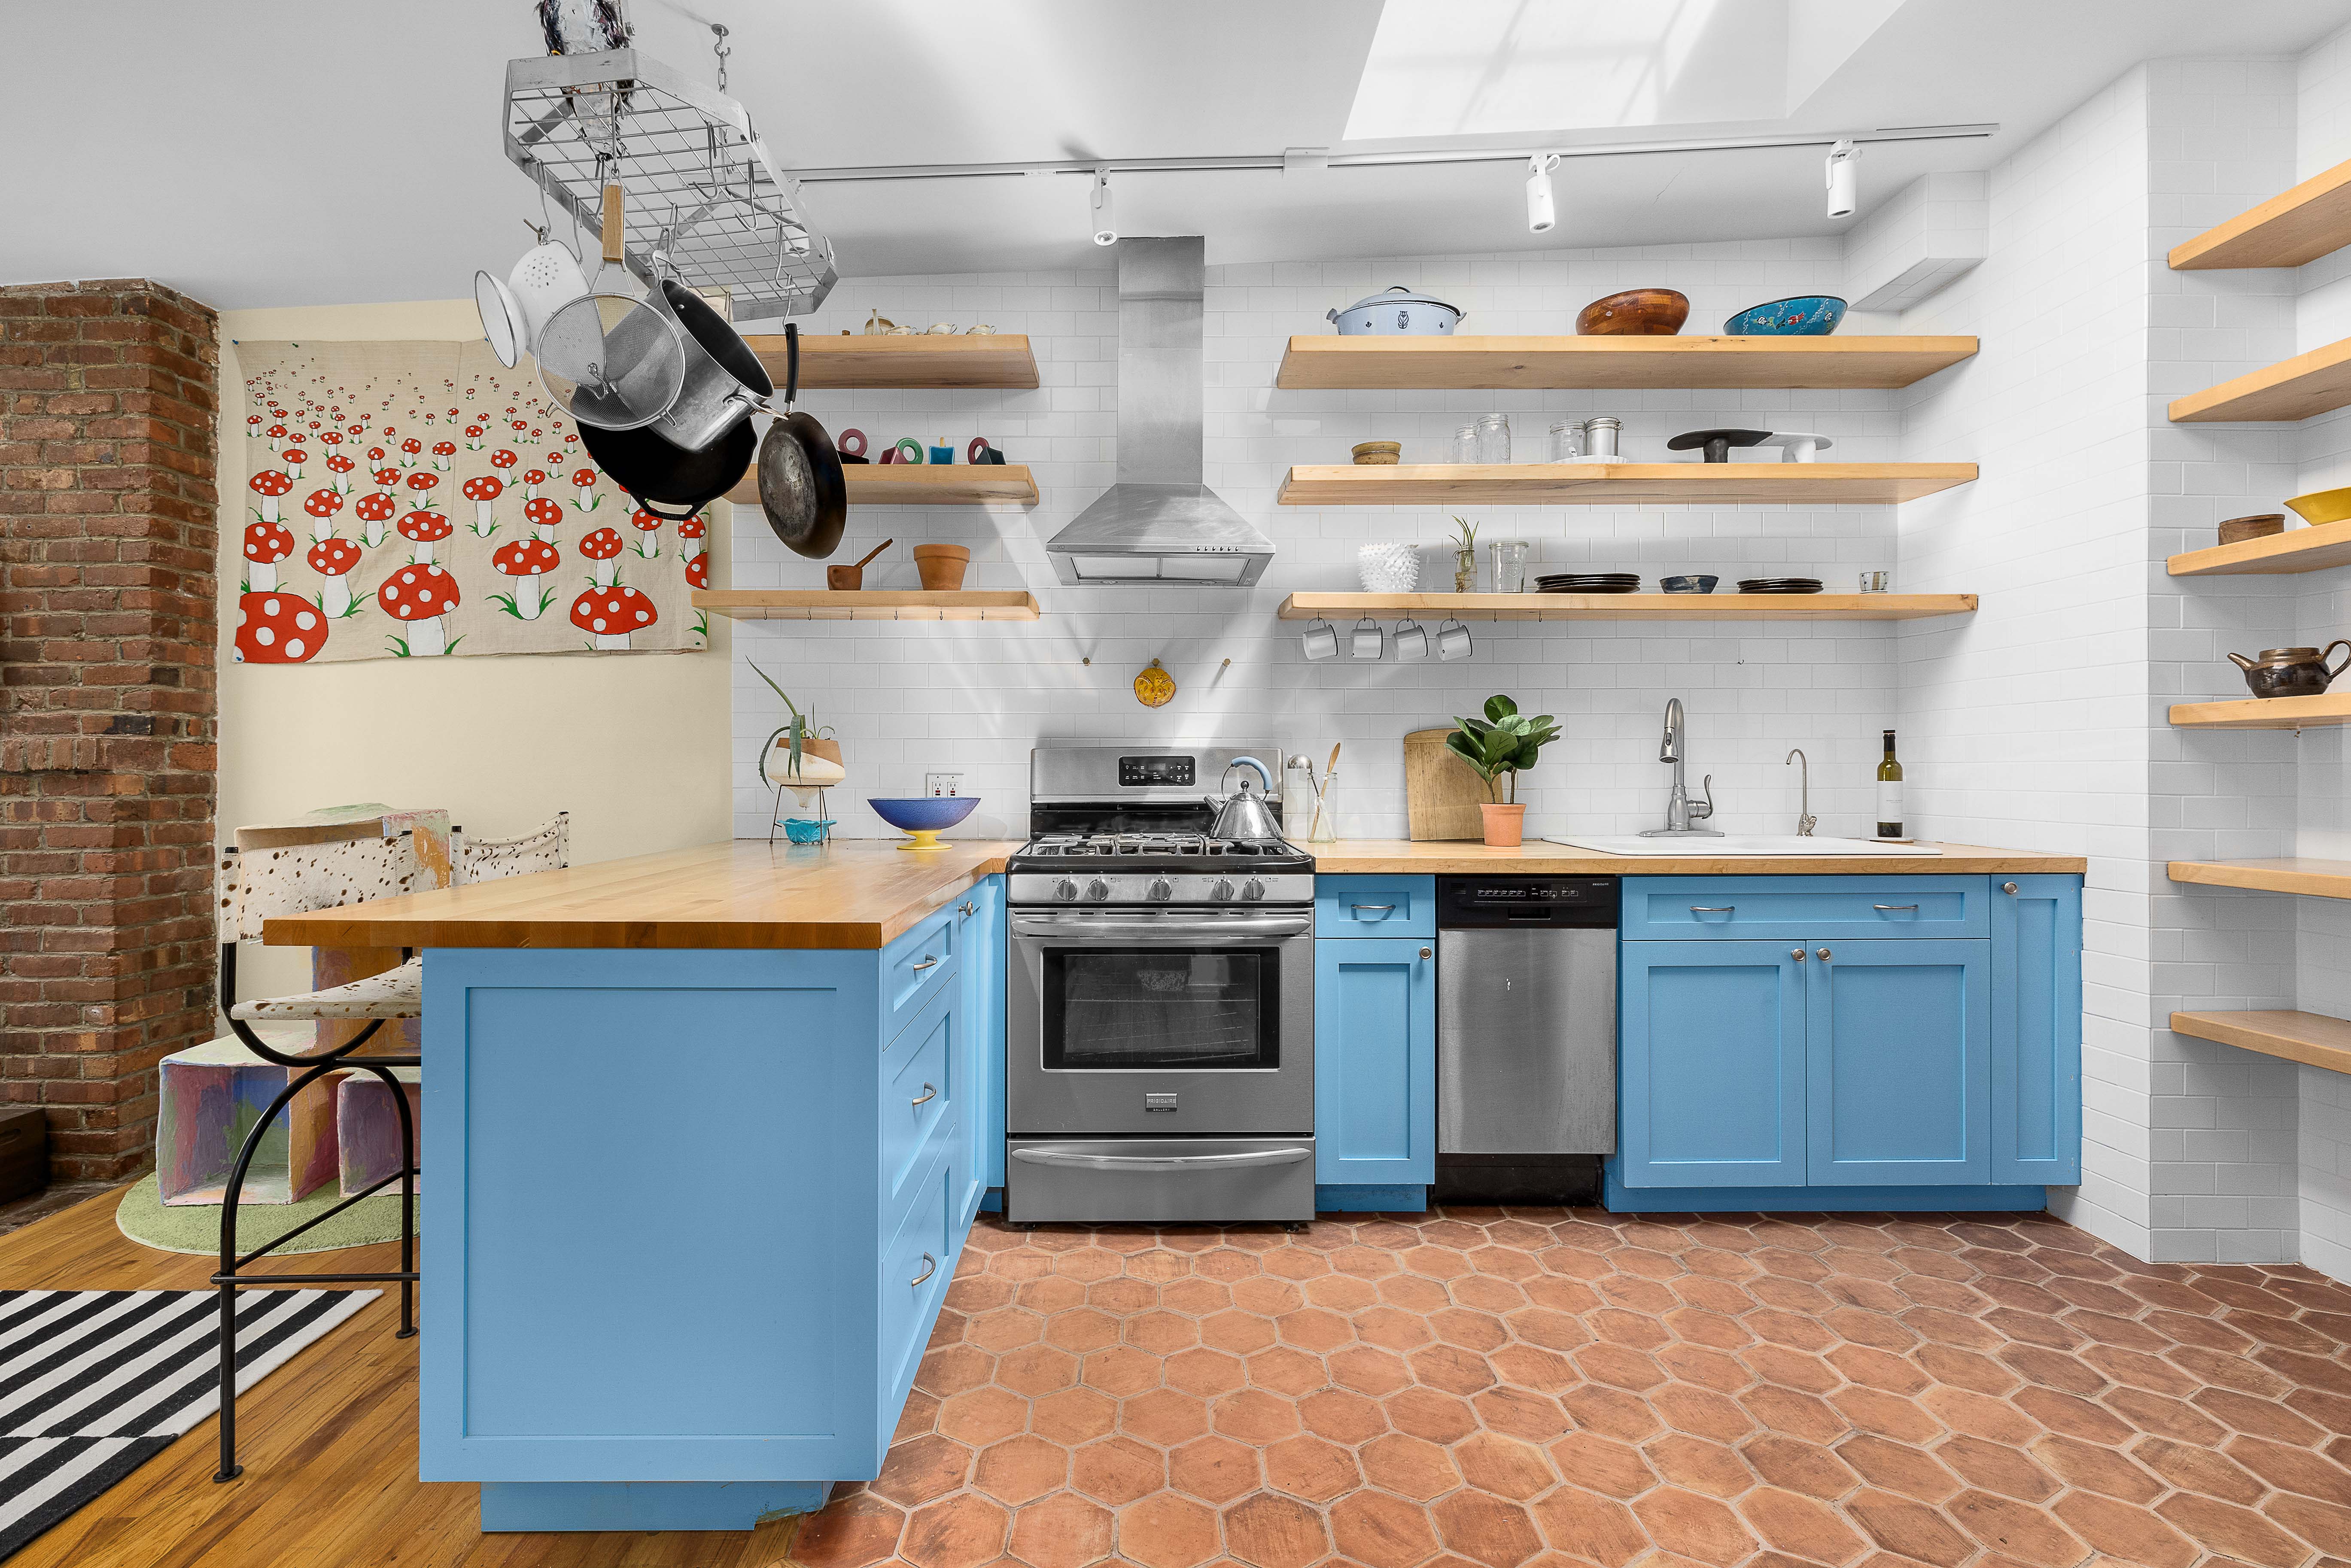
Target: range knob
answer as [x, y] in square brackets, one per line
[1252, 889]
[1098, 890]
[1223, 891]
[1162, 890]
[1066, 891]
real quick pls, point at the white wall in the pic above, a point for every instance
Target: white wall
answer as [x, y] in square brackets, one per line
[975, 698]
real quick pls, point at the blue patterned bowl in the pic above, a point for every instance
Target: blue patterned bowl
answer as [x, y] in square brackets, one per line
[806, 830]
[1804, 316]
[924, 816]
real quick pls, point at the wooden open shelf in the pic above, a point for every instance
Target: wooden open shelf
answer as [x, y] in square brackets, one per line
[2292, 389]
[871, 604]
[2303, 224]
[2296, 549]
[2312, 878]
[1617, 484]
[1615, 363]
[1438, 607]
[856, 361]
[920, 484]
[2266, 713]
[2312, 1038]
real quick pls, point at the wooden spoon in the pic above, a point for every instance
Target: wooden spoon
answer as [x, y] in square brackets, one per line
[1330, 772]
[850, 578]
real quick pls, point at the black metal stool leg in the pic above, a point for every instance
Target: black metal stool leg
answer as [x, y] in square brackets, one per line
[407, 1197]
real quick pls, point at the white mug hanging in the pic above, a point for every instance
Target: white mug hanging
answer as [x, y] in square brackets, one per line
[1367, 642]
[1321, 641]
[1453, 642]
[1411, 641]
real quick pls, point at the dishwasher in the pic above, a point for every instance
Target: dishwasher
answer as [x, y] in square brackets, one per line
[1526, 1037]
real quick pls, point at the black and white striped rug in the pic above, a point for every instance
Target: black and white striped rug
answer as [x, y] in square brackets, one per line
[93, 1383]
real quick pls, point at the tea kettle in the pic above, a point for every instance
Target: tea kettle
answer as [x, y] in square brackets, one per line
[1245, 818]
[2292, 672]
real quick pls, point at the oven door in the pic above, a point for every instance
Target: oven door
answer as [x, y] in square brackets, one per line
[1165, 1023]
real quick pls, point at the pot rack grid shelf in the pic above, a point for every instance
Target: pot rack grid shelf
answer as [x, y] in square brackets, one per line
[700, 190]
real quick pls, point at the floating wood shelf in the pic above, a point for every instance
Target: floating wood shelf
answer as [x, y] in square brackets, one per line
[2303, 224]
[2266, 713]
[2296, 549]
[2314, 878]
[2312, 1038]
[920, 484]
[1615, 363]
[856, 361]
[1437, 607]
[1618, 484]
[872, 604]
[2292, 389]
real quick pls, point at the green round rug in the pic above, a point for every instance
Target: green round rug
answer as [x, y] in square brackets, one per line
[142, 1216]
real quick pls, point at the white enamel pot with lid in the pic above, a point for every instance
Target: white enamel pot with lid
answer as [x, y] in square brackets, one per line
[1395, 312]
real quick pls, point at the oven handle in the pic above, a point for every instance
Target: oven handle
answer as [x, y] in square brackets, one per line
[1163, 1162]
[1106, 926]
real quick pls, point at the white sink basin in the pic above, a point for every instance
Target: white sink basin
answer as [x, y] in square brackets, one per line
[1761, 845]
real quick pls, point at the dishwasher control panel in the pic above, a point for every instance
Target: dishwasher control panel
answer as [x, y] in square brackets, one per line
[1469, 903]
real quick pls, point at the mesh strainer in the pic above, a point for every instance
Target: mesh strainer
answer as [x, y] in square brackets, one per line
[612, 361]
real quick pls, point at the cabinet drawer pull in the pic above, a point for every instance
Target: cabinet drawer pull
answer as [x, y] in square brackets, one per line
[930, 1267]
[1894, 908]
[927, 1095]
[1375, 908]
[929, 961]
[966, 909]
[1709, 909]
[1797, 953]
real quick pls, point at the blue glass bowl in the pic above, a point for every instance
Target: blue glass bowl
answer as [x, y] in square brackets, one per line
[924, 816]
[803, 831]
[1804, 316]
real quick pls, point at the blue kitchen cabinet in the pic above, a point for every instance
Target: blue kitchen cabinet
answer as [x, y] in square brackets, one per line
[982, 947]
[1375, 1068]
[1712, 1064]
[2036, 1029]
[1898, 1050]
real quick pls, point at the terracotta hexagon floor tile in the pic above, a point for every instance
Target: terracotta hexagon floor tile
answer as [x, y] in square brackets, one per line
[1806, 1416]
[1701, 1412]
[1526, 1365]
[1036, 1369]
[1409, 1467]
[916, 1472]
[1311, 1467]
[1021, 1470]
[1623, 1325]
[1293, 1264]
[1226, 1264]
[1619, 1366]
[1798, 1466]
[1120, 1371]
[1342, 1293]
[2120, 1531]
[1965, 1369]
[2291, 1469]
[1052, 1295]
[1215, 1469]
[2165, 1416]
[1707, 1366]
[1082, 1330]
[2016, 1529]
[2326, 1525]
[1800, 1526]
[963, 1532]
[1194, 1297]
[1865, 1364]
[1343, 1416]
[1122, 1296]
[1254, 1416]
[1503, 1466]
[1909, 1528]
[1065, 1530]
[1269, 1531]
[1996, 1467]
[1453, 1369]
[1158, 1267]
[1201, 1371]
[1980, 1416]
[1414, 1295]
[1288, 1372]
[1696, 1464]
[1317, 1330]
[1485, 1529]
[1236, 1330]
[1004, 1328]
[1072, 1417]
[849, 1533]
[1887, 1414]
[1267, 1297]
[1367, 1369]
[1382, 1531]
[1698, 1527]
[2231, 1531]
[984, 1415]
[1519, 1413]
[1392, 1328]
[1588, 1527]
[1165, 1415]
[1117, 1471]
[1167, 1531]
[2256, 1417]
[1162, 1332]
[1469, 1330]
[920, 1415]
[1601, 1464]
[1897, 1467]
[1430, 1414]
[1612, 1411]
[954, 1369]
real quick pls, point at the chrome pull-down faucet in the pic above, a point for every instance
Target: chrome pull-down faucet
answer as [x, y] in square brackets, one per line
[1682, 811]
[1806, 821]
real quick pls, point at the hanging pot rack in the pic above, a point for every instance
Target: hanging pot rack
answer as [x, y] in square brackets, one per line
[703, 202]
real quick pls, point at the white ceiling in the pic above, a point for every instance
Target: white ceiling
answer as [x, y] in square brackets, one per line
[257, 153]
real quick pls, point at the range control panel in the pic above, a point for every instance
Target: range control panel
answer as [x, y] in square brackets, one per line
[1158, 772]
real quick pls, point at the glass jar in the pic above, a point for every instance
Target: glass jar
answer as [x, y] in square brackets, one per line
[1465, 444]
[1567, 441]
[1494, 438]
[1465, 570]
[1510, 562]
[1600, 438]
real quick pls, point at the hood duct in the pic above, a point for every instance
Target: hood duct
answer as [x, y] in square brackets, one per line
[1159, 527]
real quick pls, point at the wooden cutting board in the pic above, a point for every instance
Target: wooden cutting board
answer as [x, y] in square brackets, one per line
[1441, 794]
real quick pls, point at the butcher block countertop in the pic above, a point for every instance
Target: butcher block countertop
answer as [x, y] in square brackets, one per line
[863, 893]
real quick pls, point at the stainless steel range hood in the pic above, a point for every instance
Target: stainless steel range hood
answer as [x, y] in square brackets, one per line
[1159, 527]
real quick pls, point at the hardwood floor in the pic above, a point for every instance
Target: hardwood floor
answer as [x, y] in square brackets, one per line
[329, 1444]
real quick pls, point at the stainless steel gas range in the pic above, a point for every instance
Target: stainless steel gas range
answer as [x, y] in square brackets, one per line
[1160, 1006]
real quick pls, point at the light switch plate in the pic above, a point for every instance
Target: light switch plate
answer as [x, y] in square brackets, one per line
[942, 783]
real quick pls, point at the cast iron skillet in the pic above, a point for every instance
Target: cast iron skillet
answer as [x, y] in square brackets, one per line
[653, 468]
[800, 484]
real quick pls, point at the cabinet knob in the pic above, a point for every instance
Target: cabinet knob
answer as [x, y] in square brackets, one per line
[2009, 888]
[1824, 955]
[1426, 953]
[1797, 953]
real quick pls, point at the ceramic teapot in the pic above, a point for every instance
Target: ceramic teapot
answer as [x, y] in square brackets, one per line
[2292, 672]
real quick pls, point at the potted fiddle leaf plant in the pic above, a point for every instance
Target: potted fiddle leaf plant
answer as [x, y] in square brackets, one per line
[1501, 747]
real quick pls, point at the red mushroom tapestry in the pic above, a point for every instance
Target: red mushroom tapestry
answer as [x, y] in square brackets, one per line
[416, 499]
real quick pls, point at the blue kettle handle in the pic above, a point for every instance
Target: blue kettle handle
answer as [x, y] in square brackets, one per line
[1263, 772]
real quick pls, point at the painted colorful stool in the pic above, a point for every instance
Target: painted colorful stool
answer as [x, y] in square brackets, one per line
[208, 1100]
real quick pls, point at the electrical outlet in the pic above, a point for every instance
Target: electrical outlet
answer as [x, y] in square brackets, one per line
[942, 783]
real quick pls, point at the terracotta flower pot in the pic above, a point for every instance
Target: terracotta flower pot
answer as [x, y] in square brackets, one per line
[941, 567]
[1505, 825]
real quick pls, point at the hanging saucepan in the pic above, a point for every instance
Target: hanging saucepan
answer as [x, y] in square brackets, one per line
[801, 482]
[659, 474]
[724, 381]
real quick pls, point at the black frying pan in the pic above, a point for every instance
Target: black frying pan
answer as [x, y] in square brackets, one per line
[654, 469]
[800, 484]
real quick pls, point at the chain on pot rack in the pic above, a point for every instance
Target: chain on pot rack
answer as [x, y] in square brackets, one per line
[700, 193]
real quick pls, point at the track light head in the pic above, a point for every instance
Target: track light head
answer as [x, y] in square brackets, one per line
[1542, 215]
[1105, 227]
[1842, 179]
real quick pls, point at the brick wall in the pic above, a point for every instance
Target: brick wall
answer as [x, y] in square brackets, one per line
[109, 395]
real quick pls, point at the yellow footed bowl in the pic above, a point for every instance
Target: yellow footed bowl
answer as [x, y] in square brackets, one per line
[2324, 506]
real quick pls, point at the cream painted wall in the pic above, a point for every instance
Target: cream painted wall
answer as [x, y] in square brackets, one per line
[634, 745]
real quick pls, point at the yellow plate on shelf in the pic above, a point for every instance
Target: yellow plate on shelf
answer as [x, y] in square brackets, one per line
[2324, 506]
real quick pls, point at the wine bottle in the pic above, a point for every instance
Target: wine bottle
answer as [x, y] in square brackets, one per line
[1889, 793]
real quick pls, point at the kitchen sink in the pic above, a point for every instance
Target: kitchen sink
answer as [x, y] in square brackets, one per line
[1761, 845]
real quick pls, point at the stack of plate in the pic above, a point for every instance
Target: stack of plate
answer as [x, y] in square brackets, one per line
[1780, 585]
[1590, 582]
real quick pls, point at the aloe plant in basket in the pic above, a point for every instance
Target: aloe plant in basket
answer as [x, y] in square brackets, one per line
[1501, 747]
